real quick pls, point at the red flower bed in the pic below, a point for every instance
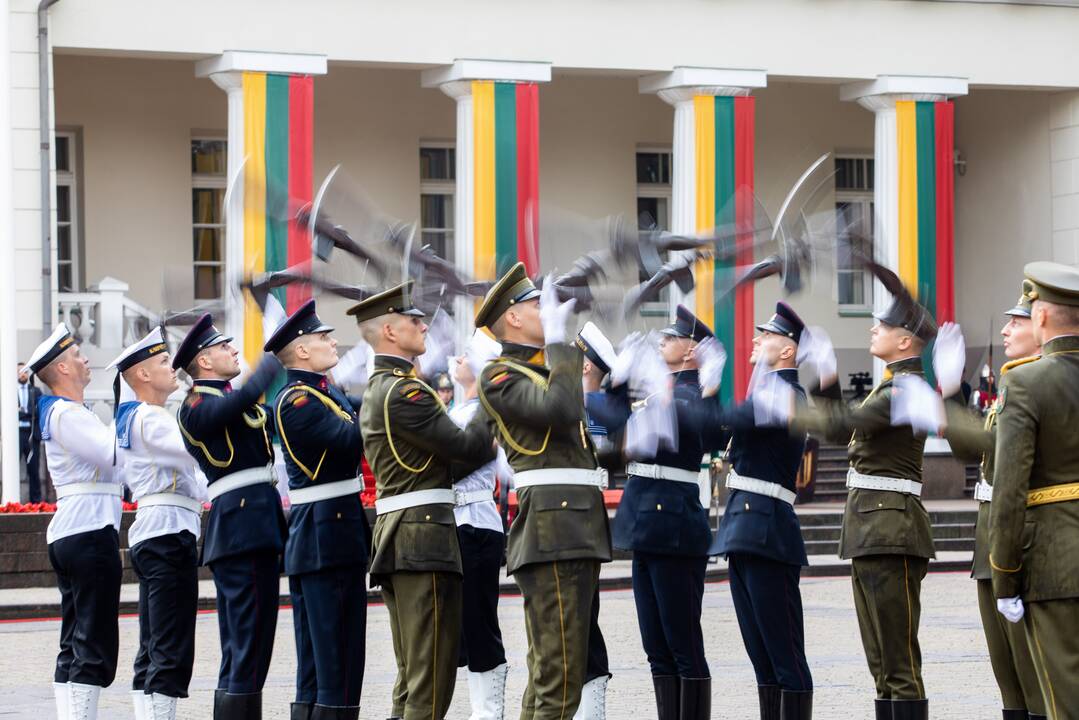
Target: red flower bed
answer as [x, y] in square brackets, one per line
[44, 507]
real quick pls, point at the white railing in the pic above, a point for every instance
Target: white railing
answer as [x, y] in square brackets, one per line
[105, 317]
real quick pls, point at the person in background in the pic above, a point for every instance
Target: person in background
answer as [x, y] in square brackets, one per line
[444, 387]
[29, 432]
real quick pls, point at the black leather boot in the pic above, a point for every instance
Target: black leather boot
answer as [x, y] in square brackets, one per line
[770, 699]
[910, 709]
[695, 700]
[667, 689]
[301, 711]
[883, 708]
[1017, 715]
[1032, 716]
[326, 712]
[796, 705]
[218, 695]
[240, 706]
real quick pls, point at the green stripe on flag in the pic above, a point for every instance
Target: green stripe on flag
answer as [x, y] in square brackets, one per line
[277, 116]
[725, 215]
[505, 176]
[927, 205]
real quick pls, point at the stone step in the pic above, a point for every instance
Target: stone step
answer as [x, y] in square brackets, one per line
[943, 531]
[831, 547]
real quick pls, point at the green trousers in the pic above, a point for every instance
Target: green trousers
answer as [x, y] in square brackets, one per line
[887, 601]
[1009, 654]
[1054, 644]
[558, 611]
[425, 620]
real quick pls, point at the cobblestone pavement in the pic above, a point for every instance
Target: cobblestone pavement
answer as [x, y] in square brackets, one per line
[956, 668]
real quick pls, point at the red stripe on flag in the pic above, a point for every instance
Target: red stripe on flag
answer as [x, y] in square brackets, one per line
[945, 145]
[744, 117]
[528, 176]
[300, 156]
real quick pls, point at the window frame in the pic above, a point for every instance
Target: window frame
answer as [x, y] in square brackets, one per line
[70, 179]
[204, 181]
[660, 191]
[447, 188]
[865, 198]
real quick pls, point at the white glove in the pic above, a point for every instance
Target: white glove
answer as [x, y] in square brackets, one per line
[773, 401]
[272, 316]
[553, 314]
[352, 368]
[439, 345]
[649, 376]
[916, 404]
[627, 356]
[503, 470]
[1011, 608]
[815, 348]
[712, 358]
[949, 358]
[652, 426]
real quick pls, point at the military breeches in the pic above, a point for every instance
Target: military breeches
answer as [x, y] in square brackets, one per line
[329, 616]
[1009, 655]
[425, 619]
[248, 591]
[668, 591]
[168, 570]
[768, 605]
[558, 609]
[88, 575]
[887, 600]
[481, 560]
[1054, 644]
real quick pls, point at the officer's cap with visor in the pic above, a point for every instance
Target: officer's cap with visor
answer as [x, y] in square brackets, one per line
[511, 289]
[1052, 283]
[395, 301]
[784, 322]
[1024, 303]
[596, 347]
[687, 325]
[201, 336]
[305, 321]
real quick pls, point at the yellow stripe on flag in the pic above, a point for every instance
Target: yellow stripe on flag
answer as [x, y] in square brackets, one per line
[907, 151]
[704, 110]
[254, 89]
[483, 136]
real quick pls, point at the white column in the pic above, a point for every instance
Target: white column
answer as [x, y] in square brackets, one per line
[678, 88]
[226, 71]
[1064, 161]
[880, 97]
[9, 415]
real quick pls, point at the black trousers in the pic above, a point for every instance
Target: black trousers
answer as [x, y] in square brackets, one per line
[30, 452]
[768, 605]
[247, 600]
[668, 591]
[88, 574]
[596, 665]
[481, 637]
[329, 616]
[167, 567]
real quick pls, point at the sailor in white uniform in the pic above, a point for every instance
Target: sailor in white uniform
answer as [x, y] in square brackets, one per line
[83, 536]
[164, 481]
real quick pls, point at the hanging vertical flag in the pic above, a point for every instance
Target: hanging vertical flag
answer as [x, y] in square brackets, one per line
[724, 140]
[505, 119]
[278, 144]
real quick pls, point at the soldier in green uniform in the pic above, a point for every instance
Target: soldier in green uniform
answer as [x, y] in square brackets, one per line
[886, 531]
[411, 444]
[973, 439]
[533, 396]
[1034, 516]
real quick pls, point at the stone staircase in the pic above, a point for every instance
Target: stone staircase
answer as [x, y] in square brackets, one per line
[831, 485]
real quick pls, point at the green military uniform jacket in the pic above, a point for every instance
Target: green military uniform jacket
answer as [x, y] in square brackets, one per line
[876, 522]
[412, 444]
[535, 403]
[1034, 518]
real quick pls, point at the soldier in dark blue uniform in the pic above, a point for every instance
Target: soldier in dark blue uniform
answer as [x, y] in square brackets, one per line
[329, 539]
[231, 436]
[661, 520]
[760, 534]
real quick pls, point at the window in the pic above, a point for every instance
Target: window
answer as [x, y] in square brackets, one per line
[68, 256]
[854, 231]
[209, 161]
[438, 174]
[654, 206]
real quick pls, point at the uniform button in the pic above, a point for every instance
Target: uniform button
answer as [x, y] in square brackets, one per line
[427, 517]
[880, 505]
[659, 506]
[338, 516]
[243, 501]
[565, 503]
[747, 506]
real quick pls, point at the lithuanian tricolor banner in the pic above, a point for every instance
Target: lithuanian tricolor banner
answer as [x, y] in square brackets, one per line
[724, 179]
[505, 124]
[278, 145]
[925, 145]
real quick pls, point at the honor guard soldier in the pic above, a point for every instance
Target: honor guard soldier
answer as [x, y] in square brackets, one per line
[444, 387]
[163, 540]
[973, 439]
[83, 535]
[411, 443]
[231, 436]
[662, 522]
[534, 397]
[886, 529]
[327, 548]
[1034, 516]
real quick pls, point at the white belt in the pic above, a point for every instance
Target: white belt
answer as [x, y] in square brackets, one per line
[436, 496]
[663, 472]
[876, 482]
[983, 491]
[760, 487]
[89, 488]
[462, 498]
[241, 479]
[325, 491]
[171, 500]
[561, 476]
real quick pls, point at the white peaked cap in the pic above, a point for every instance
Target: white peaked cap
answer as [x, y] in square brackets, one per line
[49, 350]
[593, 339]
[152, 339]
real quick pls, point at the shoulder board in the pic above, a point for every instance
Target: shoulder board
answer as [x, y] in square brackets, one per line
[413, 391]
[499, 377]
[1016, 363]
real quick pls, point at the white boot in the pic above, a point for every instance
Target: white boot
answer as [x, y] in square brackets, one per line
[84, 701]
[474, 695]
[593, 700]
[62, 693]
[490, 693]
[162, 707]
[141, 702]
